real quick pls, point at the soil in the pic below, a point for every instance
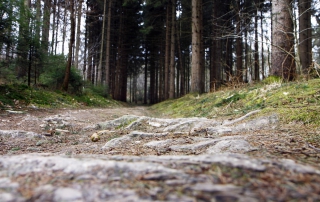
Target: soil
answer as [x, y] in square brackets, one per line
[30, 119]
[265, 173]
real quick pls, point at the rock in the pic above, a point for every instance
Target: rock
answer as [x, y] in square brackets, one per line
[127, 139]
[231, 146]
[291, 165]
[210, 174]
[209, 187]
[218, 130]
[9, 197]
[15, 112]
[202, 144]
[122, 121]
[67, 194]
[158, 144]
[95, 137]
[19, 134]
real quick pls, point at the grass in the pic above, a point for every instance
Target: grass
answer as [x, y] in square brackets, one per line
[294, 102]
[17, 95]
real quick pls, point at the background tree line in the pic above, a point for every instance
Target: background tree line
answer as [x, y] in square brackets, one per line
[153, 50]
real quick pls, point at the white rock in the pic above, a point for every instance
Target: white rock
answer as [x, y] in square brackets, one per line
[230, 146]
[67, 194]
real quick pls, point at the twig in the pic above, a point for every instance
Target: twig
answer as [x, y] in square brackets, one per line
[312, 147]
[240, 119]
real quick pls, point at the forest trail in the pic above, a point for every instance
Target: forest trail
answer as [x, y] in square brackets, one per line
[49, 155]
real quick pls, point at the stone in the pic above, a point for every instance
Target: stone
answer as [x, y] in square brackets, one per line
[202, 144]
[122, 121]
[209, 187]
[158, 144]
[19, 134]
[231, 146]
[67, 194]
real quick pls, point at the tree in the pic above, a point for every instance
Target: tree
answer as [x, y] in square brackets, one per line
[78, 40]
[172, 52]
[46, 27]
[108, 45]
[196, 63]
[305, 35]
[239, 49]
[282, 56]
[216, 52]
[65, 83]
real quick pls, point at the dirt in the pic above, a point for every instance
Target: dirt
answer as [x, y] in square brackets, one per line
[155, 163]
[31, 119]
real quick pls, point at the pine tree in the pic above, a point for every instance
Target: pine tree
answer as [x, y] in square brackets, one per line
[282, 58]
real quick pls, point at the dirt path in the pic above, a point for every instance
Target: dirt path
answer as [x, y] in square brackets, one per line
[45, 121]
[48, 155]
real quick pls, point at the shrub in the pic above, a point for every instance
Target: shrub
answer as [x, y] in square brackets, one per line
[54, 71]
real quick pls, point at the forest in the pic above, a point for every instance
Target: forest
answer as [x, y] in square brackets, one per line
[148, 51]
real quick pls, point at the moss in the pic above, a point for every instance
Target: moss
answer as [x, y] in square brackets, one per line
[294, 102]
[18, 94]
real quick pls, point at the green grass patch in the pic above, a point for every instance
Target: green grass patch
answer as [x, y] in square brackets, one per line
[294, 102]
[22, 95]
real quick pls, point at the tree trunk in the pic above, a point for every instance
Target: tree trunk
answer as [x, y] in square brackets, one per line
[181, 67]
[46, 27]
[65, 83]
[282, 56]
[99, 71]
[23, 39]
[152, 78]
[172, 52]
[215, 50]
[64, 29]
[262, 46]
[57, 28]
[54, 14]
[239, 48]
[108, 46]
[167, 51]
[78, 40]
[145, 101]
[122, 58]
[305, 35]
[196, 65]
[256, 48]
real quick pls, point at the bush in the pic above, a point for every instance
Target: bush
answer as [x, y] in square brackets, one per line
[272, 79]
[7, 73]
[54, 71]
[100, 90]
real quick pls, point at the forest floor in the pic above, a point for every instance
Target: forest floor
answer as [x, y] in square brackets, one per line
[49, 155]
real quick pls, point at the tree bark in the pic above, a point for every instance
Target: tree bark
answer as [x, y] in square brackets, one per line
[64, 27]
[262, 46]
[167, 50]
[65, 83]
[46, 27]
[78, 40]
[305, 35]
[215, 50]
[282, 53]
[54, 13]
[108, 46]
[196, 64]
[239, 49]
[172, 52]
[256, 48]
[181, 67]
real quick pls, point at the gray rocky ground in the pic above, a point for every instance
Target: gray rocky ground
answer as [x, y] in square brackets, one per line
[126, 154]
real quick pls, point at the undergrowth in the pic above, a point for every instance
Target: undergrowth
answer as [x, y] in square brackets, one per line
[295, 102]
[17, 95]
